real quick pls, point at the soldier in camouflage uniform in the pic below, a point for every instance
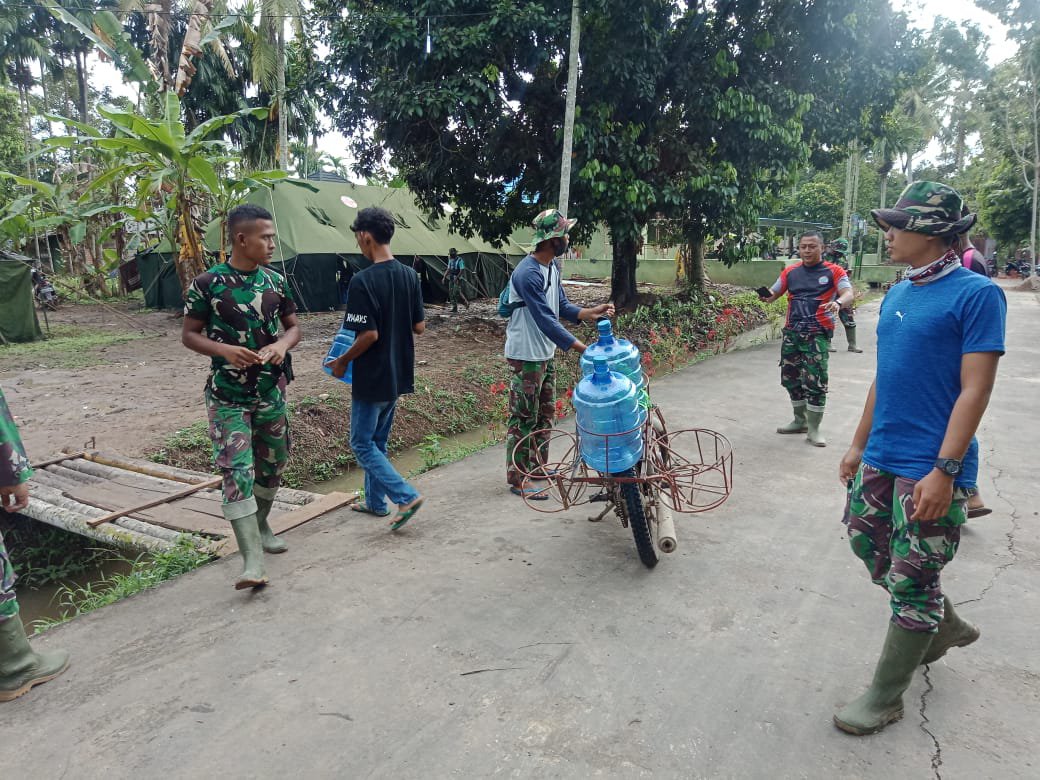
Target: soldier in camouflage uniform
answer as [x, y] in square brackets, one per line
[837, 254]
[914, 459]
[232, 313]
[453, 278]
[20, 667]
[532, 336]
[816, 290]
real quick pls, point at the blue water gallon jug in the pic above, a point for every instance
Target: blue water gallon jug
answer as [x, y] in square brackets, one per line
[621, 355]
[343, 341]
[607, 402]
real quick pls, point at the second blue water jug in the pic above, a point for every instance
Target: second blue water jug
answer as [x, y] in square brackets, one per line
[343, 341]
[607, 402]
[621, 355]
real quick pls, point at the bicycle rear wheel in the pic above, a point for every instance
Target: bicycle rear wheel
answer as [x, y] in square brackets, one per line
[633, 506]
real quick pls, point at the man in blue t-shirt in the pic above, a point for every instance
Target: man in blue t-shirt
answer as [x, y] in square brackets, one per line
[914, 459]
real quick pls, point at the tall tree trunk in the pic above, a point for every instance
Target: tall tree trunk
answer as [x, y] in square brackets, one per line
[190, 260]
[623, 273]
[693, 262]
[283, 116]
[81, 80]
[881, 236]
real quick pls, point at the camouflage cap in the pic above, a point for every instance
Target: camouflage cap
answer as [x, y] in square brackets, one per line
[841, 244]
[551, 224]
[926, 207]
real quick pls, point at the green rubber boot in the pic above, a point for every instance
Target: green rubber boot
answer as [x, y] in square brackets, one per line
[850, 336]
[20, 667]
[242, 516]
[883, 702]
[814, 416]
[797, 425]
[264, 500]
[953, 632]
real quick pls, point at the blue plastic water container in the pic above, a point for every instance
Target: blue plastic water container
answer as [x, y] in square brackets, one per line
[343, 341]
[621, 355]
[607, 402]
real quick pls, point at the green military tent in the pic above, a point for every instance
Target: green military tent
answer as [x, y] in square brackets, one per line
[316, 250]
[18, 320]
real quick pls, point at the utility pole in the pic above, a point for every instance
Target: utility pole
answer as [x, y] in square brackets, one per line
[568, 117]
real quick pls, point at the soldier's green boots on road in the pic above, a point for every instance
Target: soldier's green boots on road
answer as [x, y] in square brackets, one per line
[850, 336]
[953, 632]
[242, 516]
[883, 702]
[271, 543]
[20, 667]
[798, 424]
[813, 418]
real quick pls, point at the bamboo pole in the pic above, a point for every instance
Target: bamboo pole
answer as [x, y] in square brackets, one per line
[54, 481]
[70, 456]
[73, 475]
[123, 538]
[160, 471]
[59, 499]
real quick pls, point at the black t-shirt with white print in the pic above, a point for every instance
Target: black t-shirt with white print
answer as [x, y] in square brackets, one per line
[384, 297]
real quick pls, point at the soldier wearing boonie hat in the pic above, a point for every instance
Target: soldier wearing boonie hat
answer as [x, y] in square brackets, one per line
[537, 302]
[913, 460]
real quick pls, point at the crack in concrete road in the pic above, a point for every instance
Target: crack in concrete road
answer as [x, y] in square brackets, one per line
[1010, 535]
[937, 753]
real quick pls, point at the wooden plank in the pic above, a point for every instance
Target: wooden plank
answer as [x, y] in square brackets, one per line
[297, 517]
[176, 516]
[53, 461]
[156, 501]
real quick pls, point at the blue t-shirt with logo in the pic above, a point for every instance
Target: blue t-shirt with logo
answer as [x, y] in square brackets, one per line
[922, 332]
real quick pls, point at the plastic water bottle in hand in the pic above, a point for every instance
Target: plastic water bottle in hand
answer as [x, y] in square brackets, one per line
[343, 341]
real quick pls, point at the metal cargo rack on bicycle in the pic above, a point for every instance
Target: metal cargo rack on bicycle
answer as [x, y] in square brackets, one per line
[685, 471]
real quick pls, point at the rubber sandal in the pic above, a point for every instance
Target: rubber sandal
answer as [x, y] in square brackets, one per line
[980, 511]
[405, 516]
[363, 509]
[531, 494]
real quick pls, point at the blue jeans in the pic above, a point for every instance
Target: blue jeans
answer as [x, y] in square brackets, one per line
[370, 423]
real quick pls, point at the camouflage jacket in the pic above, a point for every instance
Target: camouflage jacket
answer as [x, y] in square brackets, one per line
[14, 465]
[244, 310]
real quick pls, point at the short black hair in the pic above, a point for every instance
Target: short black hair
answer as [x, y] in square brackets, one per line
[379, 222]
[247, 212]
[453, 251]
[815, 233]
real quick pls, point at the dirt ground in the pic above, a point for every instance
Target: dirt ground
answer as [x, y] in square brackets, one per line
[132, 395]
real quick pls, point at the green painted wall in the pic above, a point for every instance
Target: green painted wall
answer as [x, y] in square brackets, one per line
[757, 273]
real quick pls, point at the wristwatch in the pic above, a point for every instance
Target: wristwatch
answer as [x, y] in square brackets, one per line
[949, 466]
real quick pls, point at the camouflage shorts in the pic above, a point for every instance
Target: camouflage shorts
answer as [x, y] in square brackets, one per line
[250, 443]
[903, 557]
[8, 601]
[532, 398]
[803, 366]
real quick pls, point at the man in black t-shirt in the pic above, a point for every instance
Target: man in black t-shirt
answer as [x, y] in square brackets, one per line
[384, 307]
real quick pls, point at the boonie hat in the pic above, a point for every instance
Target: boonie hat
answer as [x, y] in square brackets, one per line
[551, 224]
[926, 207]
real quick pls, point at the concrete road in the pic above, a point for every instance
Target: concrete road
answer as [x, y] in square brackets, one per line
[491, 641]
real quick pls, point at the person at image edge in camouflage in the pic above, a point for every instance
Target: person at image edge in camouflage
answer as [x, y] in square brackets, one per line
[914, 460]
[239, 304]
[816, 291]
[20, 667]
[532, 336]
[837, 254]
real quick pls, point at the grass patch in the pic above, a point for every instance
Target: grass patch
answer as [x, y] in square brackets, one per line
[146, 571]
[48, 555]
[69, 346]
[435, 454]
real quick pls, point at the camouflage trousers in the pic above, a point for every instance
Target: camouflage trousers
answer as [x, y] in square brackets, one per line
[250, 443]
[532, 399]
[903, 557]
[803, 366]
[8, 601]
[847, 317]
[455, 290]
